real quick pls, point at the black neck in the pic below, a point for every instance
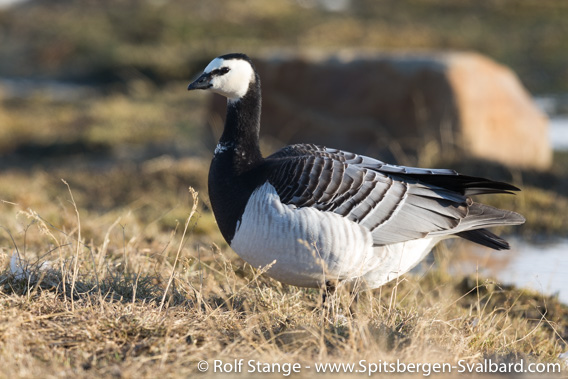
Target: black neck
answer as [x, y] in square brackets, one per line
[241, 134]
[233, 175]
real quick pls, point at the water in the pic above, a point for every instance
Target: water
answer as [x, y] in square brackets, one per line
[558, 131]
[25, 88]
[542, 267]
[9, 3]
[556, 108]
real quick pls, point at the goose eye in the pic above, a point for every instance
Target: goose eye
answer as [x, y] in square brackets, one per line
[224, 70]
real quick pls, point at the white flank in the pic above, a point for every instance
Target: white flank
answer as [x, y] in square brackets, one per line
[311, 247]
[397, 259]
[235, 83]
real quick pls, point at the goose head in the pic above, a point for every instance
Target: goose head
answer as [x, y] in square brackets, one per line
[229, 75]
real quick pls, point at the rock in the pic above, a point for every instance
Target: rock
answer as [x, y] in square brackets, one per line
[396, 105]
[498, 119]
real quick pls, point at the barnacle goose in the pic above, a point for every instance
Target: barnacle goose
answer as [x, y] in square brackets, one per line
[322, 215]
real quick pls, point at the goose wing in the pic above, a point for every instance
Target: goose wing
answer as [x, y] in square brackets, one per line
[396, 203]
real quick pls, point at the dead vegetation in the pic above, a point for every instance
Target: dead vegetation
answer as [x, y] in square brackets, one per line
[125, 304]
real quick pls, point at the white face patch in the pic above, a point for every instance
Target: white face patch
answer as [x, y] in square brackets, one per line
[235, 83]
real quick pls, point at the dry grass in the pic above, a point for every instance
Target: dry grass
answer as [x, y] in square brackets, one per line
[97, 297]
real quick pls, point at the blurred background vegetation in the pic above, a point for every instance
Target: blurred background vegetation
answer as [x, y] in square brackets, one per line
[93, 91]
[115, 41]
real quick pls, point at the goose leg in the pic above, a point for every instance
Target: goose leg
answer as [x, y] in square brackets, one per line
[329, 290]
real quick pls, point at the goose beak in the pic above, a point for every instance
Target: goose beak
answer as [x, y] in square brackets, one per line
[203, 82]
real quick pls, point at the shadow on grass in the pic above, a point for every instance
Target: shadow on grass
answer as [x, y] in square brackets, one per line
[117, 285]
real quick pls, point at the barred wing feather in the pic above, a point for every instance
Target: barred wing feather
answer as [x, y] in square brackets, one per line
[396, 203]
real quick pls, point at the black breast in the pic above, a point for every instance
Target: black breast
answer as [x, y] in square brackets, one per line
[229, 191]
